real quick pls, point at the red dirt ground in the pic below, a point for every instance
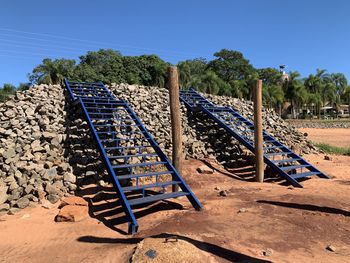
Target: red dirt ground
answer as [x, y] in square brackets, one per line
[295, 224]
[334, 136]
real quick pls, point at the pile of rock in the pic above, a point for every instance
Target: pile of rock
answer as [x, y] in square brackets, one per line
[201, 137]
[32, 135]
[320, 124]
[273, 124]
[46, 150]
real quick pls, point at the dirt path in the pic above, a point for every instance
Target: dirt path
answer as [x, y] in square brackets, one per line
[295, 225]
[337, 137]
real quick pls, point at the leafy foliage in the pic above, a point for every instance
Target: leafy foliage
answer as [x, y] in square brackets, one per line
[229, 73]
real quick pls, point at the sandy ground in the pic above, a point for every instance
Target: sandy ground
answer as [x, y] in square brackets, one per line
[296, 225]
[334, 136]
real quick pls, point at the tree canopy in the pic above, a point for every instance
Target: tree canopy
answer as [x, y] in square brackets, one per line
[229, 73]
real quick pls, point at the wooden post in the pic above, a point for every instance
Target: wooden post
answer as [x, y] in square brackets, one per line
[258, 132]
[173, 86]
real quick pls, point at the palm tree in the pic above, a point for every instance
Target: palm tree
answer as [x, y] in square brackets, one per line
[295, 92]
[273, 95]
[315, 85]
[210, 83]
[340, 82]
[348, 93]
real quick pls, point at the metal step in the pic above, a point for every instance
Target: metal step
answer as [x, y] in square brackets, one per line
[101, 110]
[131, 176]
[154, 198]
[238, 126]
[302, 175]
[147, 186]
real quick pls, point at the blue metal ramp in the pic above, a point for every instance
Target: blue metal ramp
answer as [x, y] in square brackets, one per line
[282, 160]
[141, 173]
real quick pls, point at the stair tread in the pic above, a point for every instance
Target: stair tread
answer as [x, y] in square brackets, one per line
[154, 198]
[301, 175]
[286, 168]
[286, 160]
[159, 184]
[130, 176]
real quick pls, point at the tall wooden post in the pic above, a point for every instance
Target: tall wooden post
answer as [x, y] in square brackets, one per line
[173, 85]
[258, 132]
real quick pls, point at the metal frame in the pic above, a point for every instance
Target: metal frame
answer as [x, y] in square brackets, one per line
[196, 102]
[103, 99]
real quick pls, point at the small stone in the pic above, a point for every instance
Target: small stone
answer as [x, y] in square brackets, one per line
[267, 252]
[73, 200]
[49, 135]
[52, 189]
[13, 210]
[72, 213]
[242, 210]
[328, 158]
[10, 153]
[4, 207]
[223, 193]
[3, 194]
[53, 198]
[22, 202]
[47, 204]
[69, 177]
[217, 188]
[28, 189]
[331, 248]
[151, 253]
[25, 216]
[205, 170]
[51, 173]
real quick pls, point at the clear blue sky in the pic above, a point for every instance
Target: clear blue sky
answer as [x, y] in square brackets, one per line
[303, 34]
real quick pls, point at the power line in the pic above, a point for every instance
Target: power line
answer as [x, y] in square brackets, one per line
[37, 48]
[40, 45]
[21, 57]
[179, 57]
[86, 41]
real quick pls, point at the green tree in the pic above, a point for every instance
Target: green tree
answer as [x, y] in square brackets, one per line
[273, 95]
[6, 90]
[191, 69]
[340, 82]
[52, 71]
[315, 85]
[23, 86]
[295, 92]
[348, 98]
[211, 83]
[231, 66]
[270, 76]
[105, 65]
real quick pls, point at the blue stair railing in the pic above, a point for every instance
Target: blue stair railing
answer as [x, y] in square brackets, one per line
[141, 173]
[281, 159]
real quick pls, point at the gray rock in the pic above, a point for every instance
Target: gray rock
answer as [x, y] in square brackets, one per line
[4, 207]
[13, 210]
[50, 174]
[3, 193]
[69, 177]
[51, 189]
[22, 202]
[53, 198]
[9, 153]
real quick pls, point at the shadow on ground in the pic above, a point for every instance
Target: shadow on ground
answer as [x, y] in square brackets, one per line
[213, 249]
[105, 207]
[315, 208]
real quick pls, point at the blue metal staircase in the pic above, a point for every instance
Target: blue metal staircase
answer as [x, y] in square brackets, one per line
[282, 160]
[141, 173]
